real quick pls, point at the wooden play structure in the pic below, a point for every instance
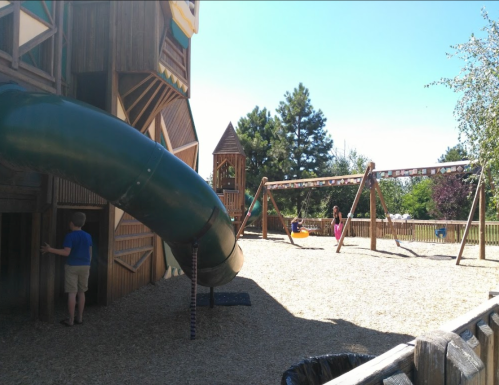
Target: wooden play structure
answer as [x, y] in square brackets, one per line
[86, 50]
[370, 179]
[229, 174]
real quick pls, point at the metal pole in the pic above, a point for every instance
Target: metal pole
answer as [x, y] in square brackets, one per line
[194, 280]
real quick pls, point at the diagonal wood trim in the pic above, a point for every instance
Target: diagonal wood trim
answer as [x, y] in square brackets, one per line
[185, 147]
[127, 237]
[125, 94]
[18, 75]
[37, 18]
[137, 100]
[146, 106]
[47, 11]
[137, 265]
[121, 253]
[37, 40]
[6, 10]
[36, 71]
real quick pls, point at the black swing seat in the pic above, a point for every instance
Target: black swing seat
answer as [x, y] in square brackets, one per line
[441, 233]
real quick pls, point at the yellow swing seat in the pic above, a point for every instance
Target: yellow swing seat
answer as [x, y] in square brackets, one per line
[302, 234]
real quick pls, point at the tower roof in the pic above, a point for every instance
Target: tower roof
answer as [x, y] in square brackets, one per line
[229, 143]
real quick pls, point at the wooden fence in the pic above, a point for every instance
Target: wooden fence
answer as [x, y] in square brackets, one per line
[463, 351]
[406, 230]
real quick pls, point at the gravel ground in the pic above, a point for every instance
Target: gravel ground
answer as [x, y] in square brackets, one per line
[306, 300]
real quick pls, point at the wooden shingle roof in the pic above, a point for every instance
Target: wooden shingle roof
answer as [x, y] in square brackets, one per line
[229, 143]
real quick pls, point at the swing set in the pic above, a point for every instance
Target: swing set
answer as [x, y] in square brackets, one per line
[370, 180]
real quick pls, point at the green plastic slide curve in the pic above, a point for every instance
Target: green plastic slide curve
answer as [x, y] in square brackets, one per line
[83, 144]
[257, 208]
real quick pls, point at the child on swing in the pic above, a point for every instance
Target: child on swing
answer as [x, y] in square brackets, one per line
[297, 225]
[337, 224]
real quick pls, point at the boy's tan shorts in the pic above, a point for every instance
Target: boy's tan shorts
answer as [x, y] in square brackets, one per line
[76, 278]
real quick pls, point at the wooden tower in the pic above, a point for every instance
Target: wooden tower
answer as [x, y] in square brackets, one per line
[131, 59]
[229, 174]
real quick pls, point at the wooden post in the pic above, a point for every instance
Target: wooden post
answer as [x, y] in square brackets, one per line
[280, 217]
[34, 286]
[15, 35]
[494, 325]
[470, 219]
[442, 358]
[482, 205]
[58, 46]
[112, 76]
[372, 206]
[243, 225]
[354, 205]
[486, 337]
[493, 189]
[264, 212]
[387, 214]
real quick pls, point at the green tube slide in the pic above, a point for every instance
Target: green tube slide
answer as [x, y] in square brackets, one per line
[257, 208]
[78, 142]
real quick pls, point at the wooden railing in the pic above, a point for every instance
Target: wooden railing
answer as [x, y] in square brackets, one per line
[231, 199]
[463, 351]
[406, 230]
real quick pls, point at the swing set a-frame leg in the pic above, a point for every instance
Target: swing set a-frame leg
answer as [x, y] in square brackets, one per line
[354, 206]
[280, 217]
[470, 217]
[246, 217]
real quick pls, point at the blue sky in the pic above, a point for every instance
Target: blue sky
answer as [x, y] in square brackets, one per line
[364, 63]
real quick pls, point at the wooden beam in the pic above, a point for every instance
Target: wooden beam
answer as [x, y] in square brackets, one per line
[481, 227]
[470, 218]
[112, 77]
[323, 179]
[15, 35]
[48, 12]
[185, 147]
[58, 43]
[139, 98]
[137, 265]
[27, 79]
[7, 10]
[354, 206]
[264, 210]
[134, 250]
[37, 40]
[372, 208]
[125, 92]
[34, 287]
[243, 225]
[280, 217]
[387, 214]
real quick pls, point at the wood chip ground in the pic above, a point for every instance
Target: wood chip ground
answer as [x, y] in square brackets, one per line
[306, 300]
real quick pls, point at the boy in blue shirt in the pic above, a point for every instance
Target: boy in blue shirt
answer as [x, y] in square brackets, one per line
[78, 250]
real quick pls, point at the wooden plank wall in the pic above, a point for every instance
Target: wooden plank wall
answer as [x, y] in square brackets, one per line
[175, 57]
[188, 156]
[137, 39]
[72, 194]
[89, 34]
[133, 256]
[178, 123]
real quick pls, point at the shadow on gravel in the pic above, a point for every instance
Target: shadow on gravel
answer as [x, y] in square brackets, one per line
[144, 338]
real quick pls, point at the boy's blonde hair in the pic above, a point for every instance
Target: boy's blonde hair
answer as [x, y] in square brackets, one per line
[78, 218]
